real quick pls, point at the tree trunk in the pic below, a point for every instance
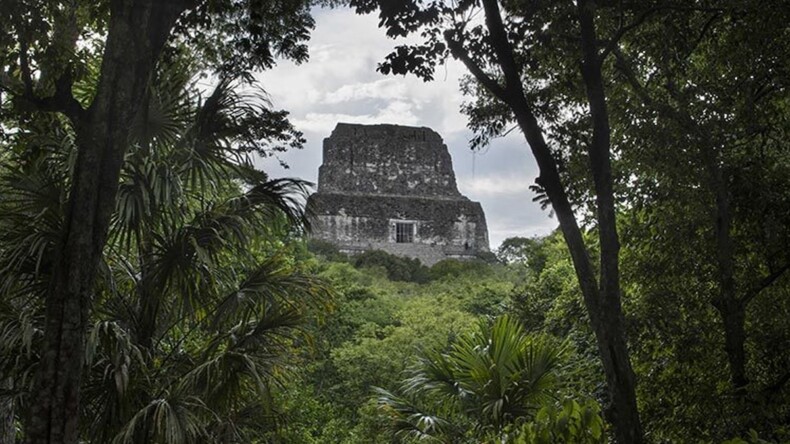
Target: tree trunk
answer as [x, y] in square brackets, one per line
[604, 309]
[602, 302]
[7, 423]
[729, 306]
[148, 298]
[610, 329]
[137, 31]
[733, 316]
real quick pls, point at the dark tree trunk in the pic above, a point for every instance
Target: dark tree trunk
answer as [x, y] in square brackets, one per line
[148, 300]
[733, 315]
[610, 329]
[727, 302]
[602, 301]
[7, 428]
[137, 31]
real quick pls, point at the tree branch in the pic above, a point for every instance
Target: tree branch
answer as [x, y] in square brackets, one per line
[764, 283]
[624, 67]
[504, 52]
[457, 50]
[62, 100]
[773, 389]
[623, 30]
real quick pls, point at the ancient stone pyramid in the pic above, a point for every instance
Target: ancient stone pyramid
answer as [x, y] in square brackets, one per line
[392, 188]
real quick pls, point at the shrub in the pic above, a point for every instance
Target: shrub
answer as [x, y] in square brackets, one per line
[327, 250]
[398, 268]
[455, 268]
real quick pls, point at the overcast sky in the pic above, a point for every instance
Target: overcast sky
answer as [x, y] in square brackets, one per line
[340, 84]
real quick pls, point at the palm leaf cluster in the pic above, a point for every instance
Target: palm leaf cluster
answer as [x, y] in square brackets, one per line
[485, 382]
[199, 301]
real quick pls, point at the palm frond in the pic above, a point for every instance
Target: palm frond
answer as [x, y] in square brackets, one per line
[170, 420]
[409, 419]
[433, 373]
[230, 126]
[274, 198]
[274, 279]
[169, 108]
[31, 214]
[113, 362]
[248, 358]
[495, 376]
[196, 309]
[149, 193]
[33, 180]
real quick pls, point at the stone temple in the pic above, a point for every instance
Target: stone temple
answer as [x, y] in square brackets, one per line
[392, 188]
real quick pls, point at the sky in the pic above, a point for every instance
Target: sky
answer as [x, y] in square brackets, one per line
[340, 84]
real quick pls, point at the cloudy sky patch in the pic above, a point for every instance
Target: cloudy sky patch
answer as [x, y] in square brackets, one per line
[388, 88]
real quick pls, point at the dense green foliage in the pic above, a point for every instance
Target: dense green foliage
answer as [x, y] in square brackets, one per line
[147, 212]
[380, 328]
[398, 268]
[210, 318]
[199, 299]
[689, 102]
[385, 333]
[491, 378]
[368, 341]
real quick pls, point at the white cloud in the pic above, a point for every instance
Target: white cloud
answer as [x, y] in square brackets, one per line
[345, 49]
[388, 88]
[401, 113]
[498, 233]
[496, 185]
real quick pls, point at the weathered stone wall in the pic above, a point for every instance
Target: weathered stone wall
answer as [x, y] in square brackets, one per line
[386, 159]
[360, 219]
[375, 177]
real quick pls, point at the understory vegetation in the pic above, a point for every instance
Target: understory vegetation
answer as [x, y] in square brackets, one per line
[402, 361]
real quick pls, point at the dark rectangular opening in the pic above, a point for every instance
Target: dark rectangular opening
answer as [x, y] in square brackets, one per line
[404, 233]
